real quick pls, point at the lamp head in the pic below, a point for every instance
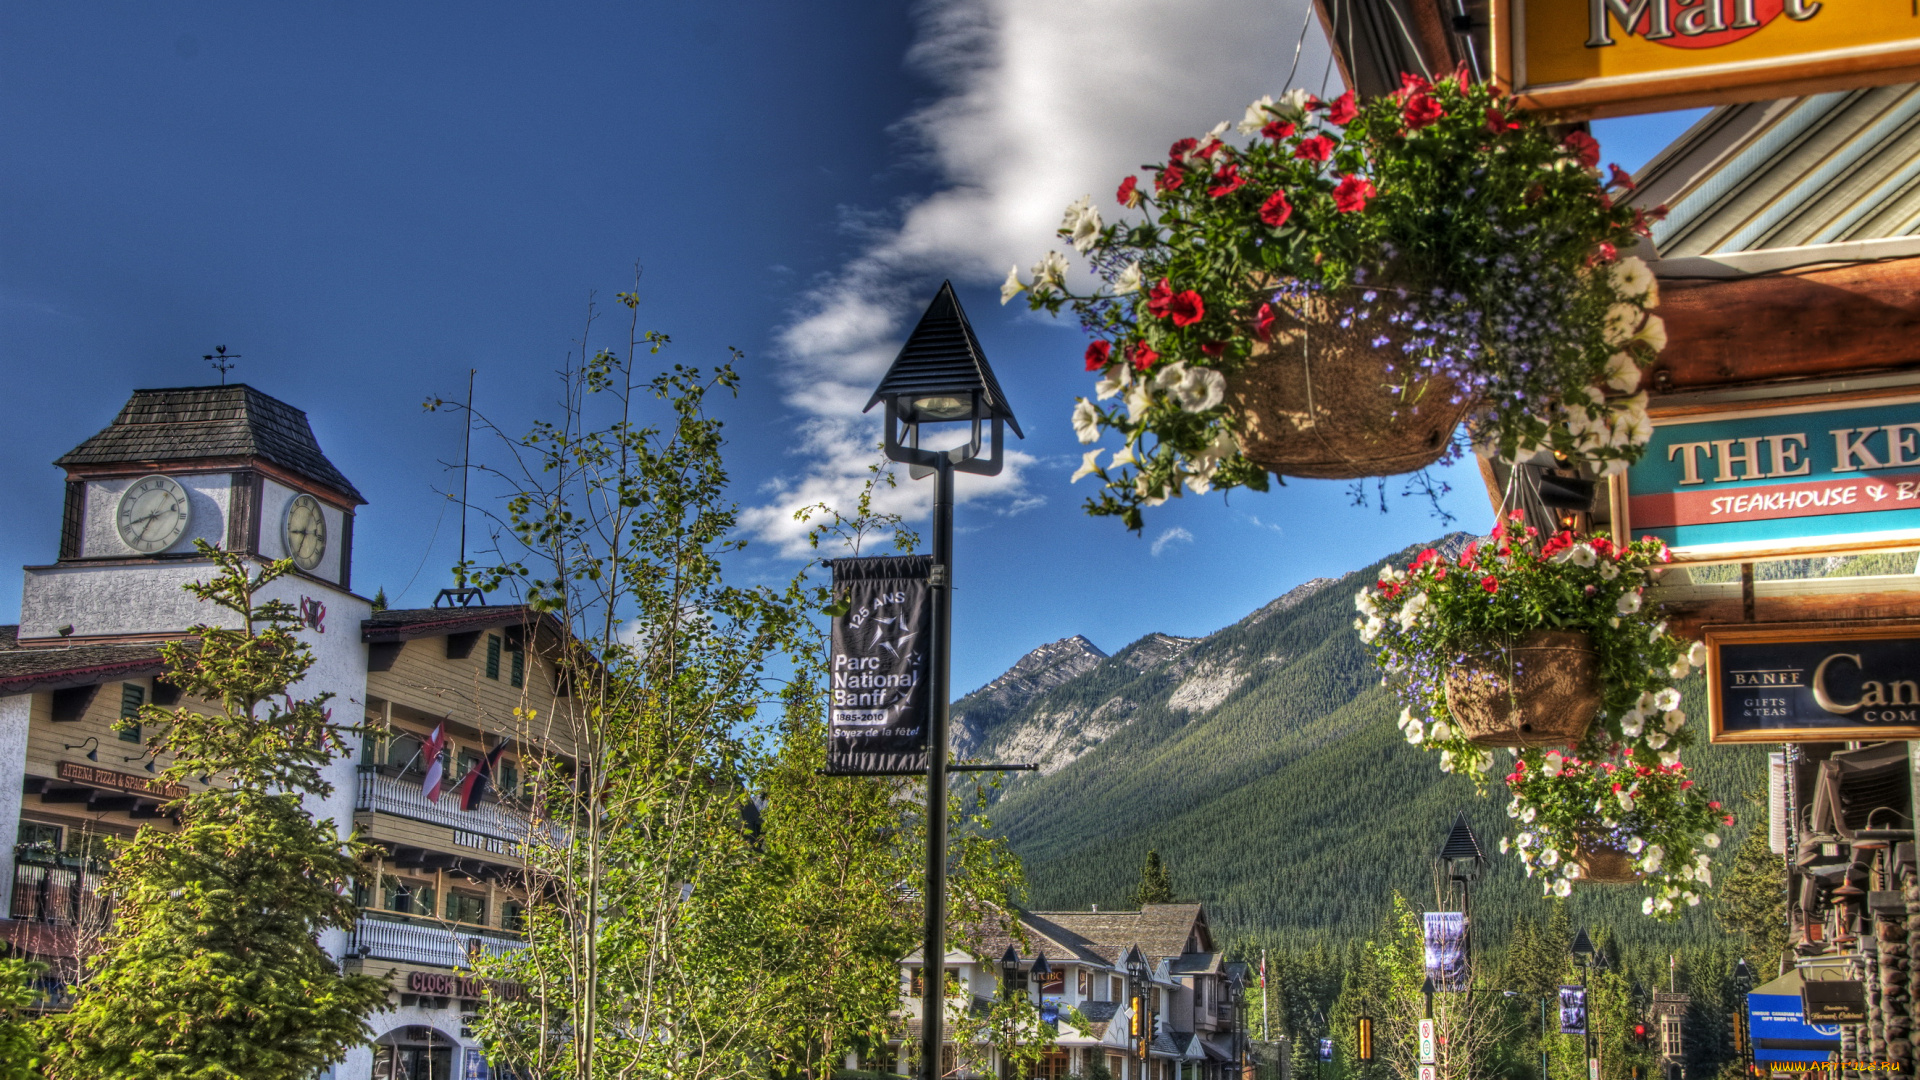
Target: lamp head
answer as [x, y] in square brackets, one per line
[1010, 961]
[942, 376]
[1041, 969]
[1582, 946]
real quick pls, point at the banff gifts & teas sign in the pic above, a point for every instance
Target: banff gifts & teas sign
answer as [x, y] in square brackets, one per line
[1772, 479]
[1612, 57]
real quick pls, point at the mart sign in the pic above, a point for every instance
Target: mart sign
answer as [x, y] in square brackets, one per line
[1615, 57]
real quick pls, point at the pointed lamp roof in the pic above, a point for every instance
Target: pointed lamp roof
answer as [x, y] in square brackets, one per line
[942, 356]
[1461, 843]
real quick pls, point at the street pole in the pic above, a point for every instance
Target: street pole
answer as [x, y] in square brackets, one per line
[934, 947]
[1544, 1043]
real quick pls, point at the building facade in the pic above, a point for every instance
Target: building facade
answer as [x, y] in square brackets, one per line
[237, 468]
[1190, 1007]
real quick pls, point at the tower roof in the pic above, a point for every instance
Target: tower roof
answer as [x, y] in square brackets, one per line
[209, 423]
[942, 356]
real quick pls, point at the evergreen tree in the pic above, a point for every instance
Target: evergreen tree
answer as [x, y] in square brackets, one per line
[213, 969]
[1156, 883]
[1752, 901]
[380, 598]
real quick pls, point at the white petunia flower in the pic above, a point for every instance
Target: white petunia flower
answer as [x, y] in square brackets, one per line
[1670, 758]
[1123, 456]
[1631, 276]
[1697, 656]
[1635, 846]
[1550, 857]
[1416, 732]
[1139, 400]
[1483, 763]
[1555, 762]
[1675, 720]
[1668, 698]
[1089, 464]
[1524, 841]
[1370, 631]
[1646, 906]
[1645, 702]
[1623, 373]
[1506, 845]
[1713, 840]
[1629, 602]
[1012, 287]
[1609, 571]
[1563, 888]
[1657, 740]
[1632, 723]
[1441, 731]
[1653, 334]
[1620, 323]
[1086, 421]
[1527, 815]
[1405, 716]
[1049, 273]
[1582, 555]
[1257, 116]
[1129, 280]
[1083, 224]
[1679, 668]
[1446, 761]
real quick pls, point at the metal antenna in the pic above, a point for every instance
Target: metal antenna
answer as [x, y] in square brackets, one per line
[222, 361]
[462, 594]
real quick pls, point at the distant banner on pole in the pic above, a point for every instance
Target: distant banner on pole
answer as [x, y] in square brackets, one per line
[1573, 1010]
[878, 704]
[1446, 943]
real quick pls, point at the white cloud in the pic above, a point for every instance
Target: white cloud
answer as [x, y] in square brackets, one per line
[1043, 101]
[1175, 535]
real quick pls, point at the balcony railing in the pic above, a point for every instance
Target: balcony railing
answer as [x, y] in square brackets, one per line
[58, 891]
[401, 796]
[435, 946]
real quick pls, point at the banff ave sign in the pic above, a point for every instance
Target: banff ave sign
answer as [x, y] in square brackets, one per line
[1612, 57]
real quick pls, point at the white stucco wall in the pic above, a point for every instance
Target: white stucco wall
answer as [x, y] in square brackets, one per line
[274, 500]
[14, 712]
[359, 1062]
[208, 496]
[98, 600]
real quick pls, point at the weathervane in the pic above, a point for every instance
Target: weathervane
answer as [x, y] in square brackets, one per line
[222, 361]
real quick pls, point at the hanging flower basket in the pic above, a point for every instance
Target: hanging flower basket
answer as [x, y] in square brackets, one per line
[1541, 690]
[1603, 863]
[1528, 644]
[1315, 400]
[1281, 300]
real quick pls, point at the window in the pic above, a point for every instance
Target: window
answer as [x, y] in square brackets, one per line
[1153, 1002]
[409, 897]
[519, 674]
[1200, 993]
[132, 696]
[913, 981]
[35, 835]
[403, 750]
[1055, 1066]
[467, 908]
[1113, 988]
[493, 656]
[469, 761]
[1085, 986]
[509, 785]
[513, 915]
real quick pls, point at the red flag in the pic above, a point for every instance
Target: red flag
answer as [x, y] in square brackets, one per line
[436, 742]
[473, 787]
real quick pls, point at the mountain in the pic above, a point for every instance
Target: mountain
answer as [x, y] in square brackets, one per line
[1263, 763]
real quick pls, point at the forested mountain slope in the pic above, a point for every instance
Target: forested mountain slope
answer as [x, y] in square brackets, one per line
[1262, 762]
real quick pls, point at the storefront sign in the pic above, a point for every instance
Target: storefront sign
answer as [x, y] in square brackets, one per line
[95, 776]
[439, 984]
[879, 702]
[1615, 57]
[1834, 1001]
[1781, 1032]
[1789, 479]
[1428, 1054]
[1813, 684]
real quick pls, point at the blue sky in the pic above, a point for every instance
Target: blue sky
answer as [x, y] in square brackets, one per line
[365, 200]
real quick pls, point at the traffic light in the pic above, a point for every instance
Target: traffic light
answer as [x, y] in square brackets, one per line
[1640, 1033]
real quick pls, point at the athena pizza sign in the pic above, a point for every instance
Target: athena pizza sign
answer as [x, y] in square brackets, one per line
[1611, 57]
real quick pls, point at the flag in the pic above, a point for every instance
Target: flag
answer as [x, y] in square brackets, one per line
[473, 787]
[436, 742]
[1263, 969]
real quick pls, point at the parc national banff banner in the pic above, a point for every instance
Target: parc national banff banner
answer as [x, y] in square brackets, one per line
[877, 697]
[1779, 479]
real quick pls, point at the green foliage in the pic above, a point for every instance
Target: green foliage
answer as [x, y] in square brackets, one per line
[1752, 901]
[20, 1055]
[213, 969]
[1156, 883]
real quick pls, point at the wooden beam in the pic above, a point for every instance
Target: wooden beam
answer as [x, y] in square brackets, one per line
[1813, 322]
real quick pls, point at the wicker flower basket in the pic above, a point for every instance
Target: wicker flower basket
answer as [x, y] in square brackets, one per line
[1543, 690]
[1603, 864]
[1316, 400]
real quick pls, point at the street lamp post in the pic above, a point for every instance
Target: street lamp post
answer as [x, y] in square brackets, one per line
[1743, 985]
[941, 376]
[1137, 982]
[1583, 952]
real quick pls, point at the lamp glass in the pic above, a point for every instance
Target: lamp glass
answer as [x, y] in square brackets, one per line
[943, 407]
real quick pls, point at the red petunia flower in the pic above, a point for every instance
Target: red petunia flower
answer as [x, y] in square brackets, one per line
[1278, 129]
[1229, 181]
[1314, 148]
[1144, 356]
[1352, 194]
[1713, 806]
[1728, 820]
[1276, 210]
[1620, 178]
[1605, 253]
[1461, 79]
[1497, 122]
[1490, 583]
[1181, 149]
[1169, 178]
[1158, 298]
[1214, 348]
[1420, 110]
[1129, 193]
[1410, 85]
[1585, 148]
[1263, 322]
[1099, 355]
[1212, 147]
[1343, 110]
[1186, 308]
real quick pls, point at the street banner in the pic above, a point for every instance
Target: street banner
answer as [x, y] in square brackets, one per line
[1326, 1049]
[1778, 477]
[1446, 948]
[1615, 57]
[1811, 683]
[879, 704]
[1573, 1010]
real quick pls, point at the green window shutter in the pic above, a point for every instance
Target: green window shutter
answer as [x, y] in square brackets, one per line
[132, 696]
[493, 656]
[519, 667]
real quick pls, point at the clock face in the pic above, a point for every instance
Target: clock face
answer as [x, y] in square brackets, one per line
[305, 532]
[152, 515]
